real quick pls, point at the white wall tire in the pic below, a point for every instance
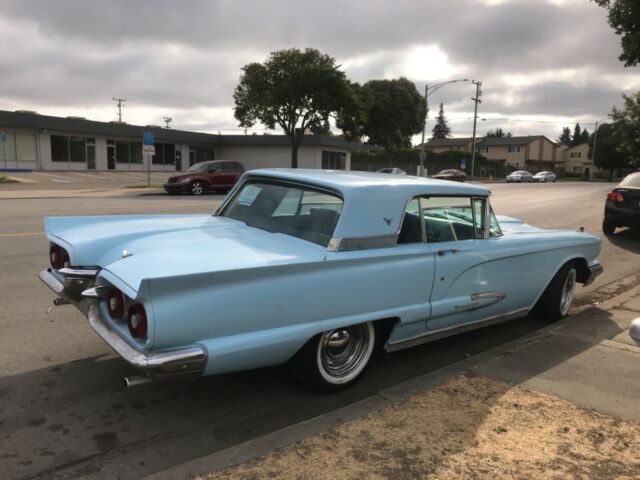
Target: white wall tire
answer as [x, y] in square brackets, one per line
[336, 359]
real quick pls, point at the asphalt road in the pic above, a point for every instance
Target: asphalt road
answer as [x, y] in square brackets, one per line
[65, 414]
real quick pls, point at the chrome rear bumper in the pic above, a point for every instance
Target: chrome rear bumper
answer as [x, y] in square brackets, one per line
[173, 364]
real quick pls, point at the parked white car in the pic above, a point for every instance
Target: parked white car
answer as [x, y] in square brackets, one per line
[392, 171]
[545, 176]
[520, 176]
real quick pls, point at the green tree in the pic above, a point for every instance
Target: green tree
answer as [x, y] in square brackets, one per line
[441, 129]
[293, 89]
[607, 153]
[584, 136]
[565, 136]
[626, 128]
[388, 113]
[624, 18]
[577, 135]
[498, 133]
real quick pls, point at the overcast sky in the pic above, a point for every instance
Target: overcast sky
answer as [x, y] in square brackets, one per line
[541, 61]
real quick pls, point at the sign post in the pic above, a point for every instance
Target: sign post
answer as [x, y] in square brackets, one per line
[148, 151]
[3, 139]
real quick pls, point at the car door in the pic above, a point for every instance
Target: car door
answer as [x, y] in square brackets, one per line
[216, 175]
[477, 270]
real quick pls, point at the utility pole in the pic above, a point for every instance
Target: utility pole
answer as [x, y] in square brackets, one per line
[121, 102]
[167, 120]
[593, 154]
[423, 153]
[475, 120]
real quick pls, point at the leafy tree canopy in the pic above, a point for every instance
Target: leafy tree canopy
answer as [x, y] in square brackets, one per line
[565, 136]
[388, 113]
[607, 154]
[497, 133]
[293, 89]
[624, 18]
[626, 128]
[441, 129]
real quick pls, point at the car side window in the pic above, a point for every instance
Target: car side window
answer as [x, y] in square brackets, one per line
[213, 169]
[448, 219]
[411, 229]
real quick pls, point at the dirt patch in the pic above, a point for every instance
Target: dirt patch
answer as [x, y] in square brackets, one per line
[469, 427]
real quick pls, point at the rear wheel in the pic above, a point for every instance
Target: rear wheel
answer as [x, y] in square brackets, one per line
[557, 298]
[608, 228]
[196, 188]
[336, 359]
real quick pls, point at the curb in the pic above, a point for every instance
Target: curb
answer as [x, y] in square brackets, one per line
[287, 436]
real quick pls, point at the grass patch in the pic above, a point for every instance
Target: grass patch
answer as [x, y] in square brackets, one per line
[5, 179]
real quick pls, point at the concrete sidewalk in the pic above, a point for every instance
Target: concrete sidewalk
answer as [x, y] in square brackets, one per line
[587, 360]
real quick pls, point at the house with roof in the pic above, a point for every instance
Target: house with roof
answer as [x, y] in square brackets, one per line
[29, 140]
[535, 152]
[457, 144]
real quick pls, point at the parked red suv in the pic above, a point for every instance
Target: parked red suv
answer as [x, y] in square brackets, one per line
[215, 175]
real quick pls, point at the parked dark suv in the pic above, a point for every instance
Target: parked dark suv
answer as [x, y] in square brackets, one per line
[622, 208]
[215, 175]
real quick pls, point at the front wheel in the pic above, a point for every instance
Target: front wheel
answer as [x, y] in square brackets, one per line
[557, 298]
[336, 359]
[196, 188]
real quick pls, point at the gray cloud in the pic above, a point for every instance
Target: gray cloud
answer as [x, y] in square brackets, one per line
[184, 56]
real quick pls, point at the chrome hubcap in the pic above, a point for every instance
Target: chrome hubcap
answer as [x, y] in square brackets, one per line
[567, 292]
[344, 352]
[196, 188]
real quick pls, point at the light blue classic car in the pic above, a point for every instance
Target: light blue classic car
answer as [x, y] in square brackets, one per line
[312, 267]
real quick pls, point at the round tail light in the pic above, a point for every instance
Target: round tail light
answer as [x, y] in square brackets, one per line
[115, 303]
[137, 320]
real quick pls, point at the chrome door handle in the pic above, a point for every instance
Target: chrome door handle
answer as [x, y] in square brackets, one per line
[442, 253]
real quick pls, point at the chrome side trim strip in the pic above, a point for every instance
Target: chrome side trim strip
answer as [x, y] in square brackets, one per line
[483, 295]
[161, 364]
[430, 336]
[362, 243]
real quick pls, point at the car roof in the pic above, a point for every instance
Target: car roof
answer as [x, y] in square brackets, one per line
[374, 203]
[348, 180]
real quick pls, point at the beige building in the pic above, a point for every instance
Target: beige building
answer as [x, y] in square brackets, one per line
[532, 153]
[439, 145]
[575, 160]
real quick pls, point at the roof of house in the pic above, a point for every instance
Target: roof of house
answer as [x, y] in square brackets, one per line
[500, 141]
[451, 142]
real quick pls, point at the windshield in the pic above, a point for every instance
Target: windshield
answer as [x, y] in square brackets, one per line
[279, 207]
[632, 180]
[199, 167]
[519, 172]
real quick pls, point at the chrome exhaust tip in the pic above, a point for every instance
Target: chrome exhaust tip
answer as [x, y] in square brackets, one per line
[60, 301]
[136, 381]
[634, 330]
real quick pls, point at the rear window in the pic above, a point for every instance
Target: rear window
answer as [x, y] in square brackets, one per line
[278, 207]
[632, 180]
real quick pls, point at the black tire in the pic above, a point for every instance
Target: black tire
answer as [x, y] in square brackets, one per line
[608, 228]
[196, 188]
[557, 298]
[328, 369]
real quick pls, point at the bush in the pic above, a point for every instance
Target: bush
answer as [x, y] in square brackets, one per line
[408, 159]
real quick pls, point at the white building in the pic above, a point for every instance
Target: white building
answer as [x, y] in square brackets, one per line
[42, 142]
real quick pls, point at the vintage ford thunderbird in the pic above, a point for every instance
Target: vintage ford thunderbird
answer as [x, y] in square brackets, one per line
[315, 268]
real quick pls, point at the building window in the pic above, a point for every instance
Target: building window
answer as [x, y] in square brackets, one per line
[333, 160]
[70, 149]
[514, 149]
[483, 149]
[577, 169]
[200, 154]
[26, 150]
[576, 154]
[165, 154]
[127, 152]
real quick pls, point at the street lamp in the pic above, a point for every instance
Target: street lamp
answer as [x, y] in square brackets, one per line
[428, 91]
